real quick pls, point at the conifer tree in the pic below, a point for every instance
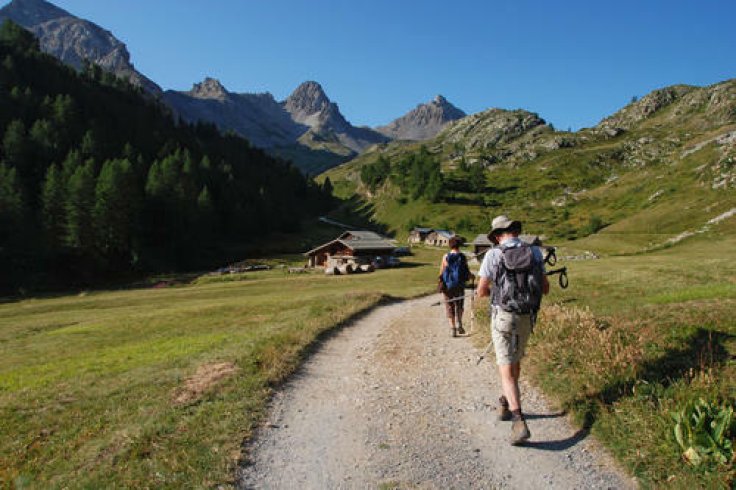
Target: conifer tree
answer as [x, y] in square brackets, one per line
[115, 208]
[70, 165]
[327, 187]
[11, 201]
[477, 178]
[15, 144]
[53, 206]
[206, 215]
[79, 202]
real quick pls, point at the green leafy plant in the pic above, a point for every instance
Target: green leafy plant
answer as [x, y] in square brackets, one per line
[705, 431]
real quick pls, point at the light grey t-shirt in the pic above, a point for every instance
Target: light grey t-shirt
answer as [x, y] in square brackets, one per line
[490, 262]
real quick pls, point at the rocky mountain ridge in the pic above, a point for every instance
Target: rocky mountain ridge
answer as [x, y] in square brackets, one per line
[259, 117]
[305, 121]
[73, 40]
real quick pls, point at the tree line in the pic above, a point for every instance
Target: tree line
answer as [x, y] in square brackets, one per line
[98, 179]
[418, 175]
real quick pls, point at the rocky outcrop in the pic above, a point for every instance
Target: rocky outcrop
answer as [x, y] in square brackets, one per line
[73, 40]
[491, 128]
[424, 122]
[642, 109]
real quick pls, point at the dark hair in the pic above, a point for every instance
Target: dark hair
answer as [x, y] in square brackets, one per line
[454, 242]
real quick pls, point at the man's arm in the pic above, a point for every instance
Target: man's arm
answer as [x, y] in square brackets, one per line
[484, 287]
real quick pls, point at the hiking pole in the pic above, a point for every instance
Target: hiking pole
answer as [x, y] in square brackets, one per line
[563, 280]
[485, 352]
[459, 298]
[551, 257]
[472, 306]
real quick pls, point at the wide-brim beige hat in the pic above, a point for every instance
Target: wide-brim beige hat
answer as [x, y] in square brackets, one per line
[503, 222]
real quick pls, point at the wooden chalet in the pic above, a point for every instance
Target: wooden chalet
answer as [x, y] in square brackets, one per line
[353, 248]
[419, 235]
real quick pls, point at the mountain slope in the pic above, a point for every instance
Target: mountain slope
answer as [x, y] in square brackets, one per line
[73, 40]
[660, 167]
[423, 122]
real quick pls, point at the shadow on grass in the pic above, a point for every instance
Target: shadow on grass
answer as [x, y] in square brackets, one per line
[705, 348]
[358, 213]
[408, 265]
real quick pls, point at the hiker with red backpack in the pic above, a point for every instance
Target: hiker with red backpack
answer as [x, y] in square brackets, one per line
[454, 273]
[516, 271]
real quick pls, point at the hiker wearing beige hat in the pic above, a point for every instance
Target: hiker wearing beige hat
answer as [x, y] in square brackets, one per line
[515, 270]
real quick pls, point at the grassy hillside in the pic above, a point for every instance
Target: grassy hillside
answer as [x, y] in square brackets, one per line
[662, 166]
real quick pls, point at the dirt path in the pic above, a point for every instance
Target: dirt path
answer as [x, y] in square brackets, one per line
[393, 401]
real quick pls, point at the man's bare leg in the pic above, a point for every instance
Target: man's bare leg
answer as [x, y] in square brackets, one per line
[510, 384]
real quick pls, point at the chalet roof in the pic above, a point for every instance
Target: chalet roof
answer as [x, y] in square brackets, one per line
[359, 240]
[482, 239]
[445, 233]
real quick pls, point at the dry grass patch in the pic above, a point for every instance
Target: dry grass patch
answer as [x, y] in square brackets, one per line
[206, 377]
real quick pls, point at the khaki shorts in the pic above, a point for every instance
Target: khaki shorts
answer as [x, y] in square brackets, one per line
[510, 333]
[454, 308]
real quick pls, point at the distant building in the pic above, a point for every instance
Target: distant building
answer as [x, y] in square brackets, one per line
[354, 248]
[441, 238]
[419, 235]
[481, 245]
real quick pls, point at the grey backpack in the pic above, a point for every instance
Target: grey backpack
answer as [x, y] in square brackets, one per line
[518, 284]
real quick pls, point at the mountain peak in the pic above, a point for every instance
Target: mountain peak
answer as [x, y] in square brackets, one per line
[424, 122]
[308, 98]
[32, 12]
[209, 88]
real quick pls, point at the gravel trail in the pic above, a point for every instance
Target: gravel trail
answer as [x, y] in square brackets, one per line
[392, 401]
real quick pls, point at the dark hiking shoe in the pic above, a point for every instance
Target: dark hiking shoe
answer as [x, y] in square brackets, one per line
[519, 432]
[504, 414]
[453, 331]
[460, 330]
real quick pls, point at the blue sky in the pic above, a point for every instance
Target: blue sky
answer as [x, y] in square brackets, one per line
[573, 62]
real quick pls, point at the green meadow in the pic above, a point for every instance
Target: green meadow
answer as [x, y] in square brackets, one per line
[94, 386]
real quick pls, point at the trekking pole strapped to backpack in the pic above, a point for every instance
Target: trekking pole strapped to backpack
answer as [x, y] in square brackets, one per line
[563, 280]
